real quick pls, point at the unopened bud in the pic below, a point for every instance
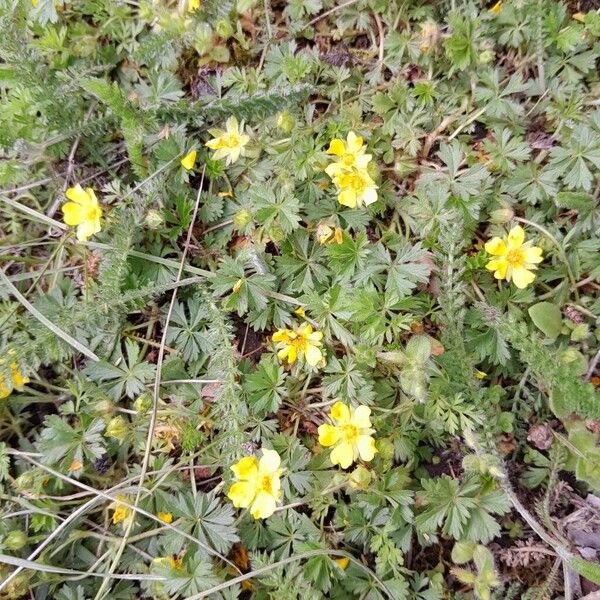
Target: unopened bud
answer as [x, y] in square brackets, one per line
[242, 218]
[502, 215]
[360, 478]
[285, 121]
[154, 219]
[15, 540]
[117, 428]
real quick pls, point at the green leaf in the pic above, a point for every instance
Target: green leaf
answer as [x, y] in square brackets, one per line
[547, 318]
[265, 387]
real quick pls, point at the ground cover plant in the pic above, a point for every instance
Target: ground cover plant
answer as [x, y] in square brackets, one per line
[299, 299]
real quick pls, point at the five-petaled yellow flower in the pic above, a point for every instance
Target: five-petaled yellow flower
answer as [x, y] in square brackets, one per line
[349, 173]
[258, 486]
[83, 210]
[350, 435]
[189, 160]
[513, 259]
[228, 144]
[121, 512]
[297, 343]
[350, 154]
[17, 379]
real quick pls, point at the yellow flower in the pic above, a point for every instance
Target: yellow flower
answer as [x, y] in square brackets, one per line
[193, 5]
[514, 259]
[34, 3]
[17, 380]
[496, 9]
[300, 312]
[171, 562]
[189, 160]
[342, 563]
[355, 187]
[228, 144]
[351, 435]
[328, 233]
[121, 512]
[258, 486]
[297, 343]
[165, 517]
[83, 211]
[350, 154]
[480, 374]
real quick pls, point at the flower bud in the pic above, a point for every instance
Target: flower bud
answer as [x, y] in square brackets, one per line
[15, 540]
[242, 218]
[142, 404]
[360, 478]
[285, 121]
[224, 29]
[117, 428]
[154, 219]
[502, 215]
[385, 449]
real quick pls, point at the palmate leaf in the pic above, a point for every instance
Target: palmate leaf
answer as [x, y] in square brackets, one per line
[462, 510]
[130, 376]
[204, 516]
[276, 208]
[577, 157]
[288, 530]
[59, 442]
[188, 330]
[410, 267]
[195, 575]
[301, 262]
[265, 387]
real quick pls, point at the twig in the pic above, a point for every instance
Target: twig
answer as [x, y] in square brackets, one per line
[592, 368]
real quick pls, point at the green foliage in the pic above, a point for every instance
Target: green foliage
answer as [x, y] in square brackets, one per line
[140, 365]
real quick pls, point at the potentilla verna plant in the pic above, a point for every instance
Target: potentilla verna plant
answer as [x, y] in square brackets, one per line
[299, 300]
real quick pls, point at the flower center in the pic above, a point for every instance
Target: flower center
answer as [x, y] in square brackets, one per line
[265, 484]
[231, 140]
[348, 159]
[350, 433]
[515, 258]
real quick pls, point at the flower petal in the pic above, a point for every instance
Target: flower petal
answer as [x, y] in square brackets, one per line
[516, 237]
[366, 447]
[496, 247]
[347, 197]
[370, 195]
[78, 194]
[354, 142]
[532, 254]
[189, 160]
[242, 493]
[313, 355]
[499, 266]
[87, 229]
[522, 277]
[246, 468]
[337, 147]
[361, 417]
[73, 213]
[328, 435]
[269, 462]
[263, 506]
[343, 455]
[340, 413]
